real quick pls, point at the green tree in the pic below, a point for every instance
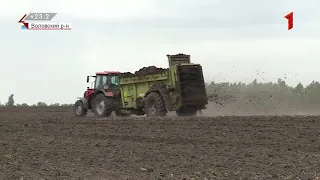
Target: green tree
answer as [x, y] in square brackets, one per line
[41, 104]
[24, 105]
[10, 102]
[299, 89]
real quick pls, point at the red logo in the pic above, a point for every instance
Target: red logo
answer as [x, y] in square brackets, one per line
[290, 20]
[24, 23]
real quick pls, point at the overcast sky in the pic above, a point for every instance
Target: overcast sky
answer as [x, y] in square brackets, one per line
[233, 40]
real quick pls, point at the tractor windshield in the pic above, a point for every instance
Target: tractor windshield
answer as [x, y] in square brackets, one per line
[100, 81]
[107, 80]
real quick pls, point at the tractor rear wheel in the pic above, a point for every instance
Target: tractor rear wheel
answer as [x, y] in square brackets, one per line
[155, 105]
[79, 109]
[103, 106]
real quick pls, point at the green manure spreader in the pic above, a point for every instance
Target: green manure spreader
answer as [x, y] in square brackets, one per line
[152, 91]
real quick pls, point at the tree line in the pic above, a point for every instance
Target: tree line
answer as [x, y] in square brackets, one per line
[255, 94]
[11, 103]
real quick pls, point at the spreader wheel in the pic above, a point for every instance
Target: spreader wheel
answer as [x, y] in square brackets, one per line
[155, 105]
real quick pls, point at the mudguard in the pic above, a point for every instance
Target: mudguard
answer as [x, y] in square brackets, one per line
[163, 90]
[84, 102]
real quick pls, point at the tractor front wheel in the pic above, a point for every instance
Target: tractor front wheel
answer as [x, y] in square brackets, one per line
[155, 105]
[79, 109]
[103, 106]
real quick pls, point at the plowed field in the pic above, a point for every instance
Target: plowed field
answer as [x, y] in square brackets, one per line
[50, 143]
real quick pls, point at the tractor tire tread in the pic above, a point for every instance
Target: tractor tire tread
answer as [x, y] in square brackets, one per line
[83, 112]
[109, 105]
[161, 107]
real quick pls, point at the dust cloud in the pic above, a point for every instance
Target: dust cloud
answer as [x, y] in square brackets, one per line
[234, 109]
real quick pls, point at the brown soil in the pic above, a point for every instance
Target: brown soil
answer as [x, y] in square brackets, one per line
[144, 71]
[49, 143]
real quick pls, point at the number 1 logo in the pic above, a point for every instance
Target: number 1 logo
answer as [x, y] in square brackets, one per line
[290, 20]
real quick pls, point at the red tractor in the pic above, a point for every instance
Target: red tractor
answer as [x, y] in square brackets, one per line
[106, 84]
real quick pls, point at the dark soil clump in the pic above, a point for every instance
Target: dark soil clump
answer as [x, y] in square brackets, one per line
[144, 71]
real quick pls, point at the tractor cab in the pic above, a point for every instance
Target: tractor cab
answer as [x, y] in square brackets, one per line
[105, 80]
[105, 83]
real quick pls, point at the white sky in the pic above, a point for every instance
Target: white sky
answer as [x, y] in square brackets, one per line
[233, 40]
